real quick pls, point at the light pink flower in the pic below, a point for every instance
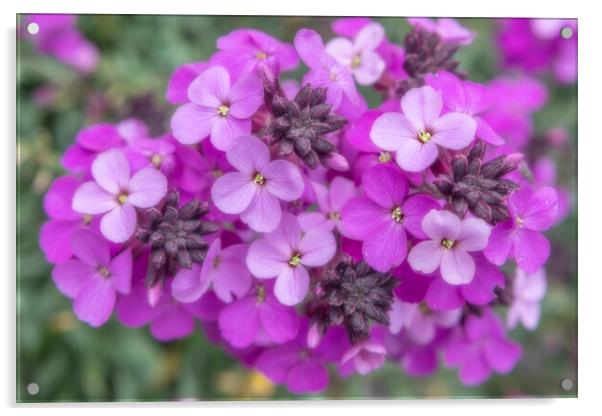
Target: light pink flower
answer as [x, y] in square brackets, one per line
[360, 54]
[218, 108]
[416, 134]
[285, 253]
[256, 189]
[117, 195]
[224, 270]
[365, 356]
[527, 293]
[451, 239]
[449, 30]
[421, 327]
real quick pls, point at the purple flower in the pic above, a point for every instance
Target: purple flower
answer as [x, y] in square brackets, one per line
[325, 71]
[258, 317]
[365, 356]
[256, 189]
[330, 203]
[380, 219]
[360, 54]
[527, 294]
[285, 253]
[451, 239]
[180, 80]
[301, 368]
[531, 212]
[93, 278]
[465, 97]
[480, 349]
[89, 143]
[421, 326]
[416, 134]
[225, 270]
[218, 108]
[55, 235]
[117, 195]
[155, 153]
[449, 30]
[243, 50]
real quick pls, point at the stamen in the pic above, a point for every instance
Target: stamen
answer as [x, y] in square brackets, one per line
[104, 272]
[217, 173]
[424, 136]
[261, 55]
[384, 157]
[222, 111]
[448, 244]
[356, 61]
[260, 294]
[156, 160]
[519, 222]
[87, 218]
[122, 199]
[259, 179]
[334, 216]
[216, 261]
[397, 215]
[295, 260]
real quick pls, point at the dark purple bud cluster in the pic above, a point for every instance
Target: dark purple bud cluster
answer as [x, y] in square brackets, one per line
[175, 236]
[479, 187]
[352, 295]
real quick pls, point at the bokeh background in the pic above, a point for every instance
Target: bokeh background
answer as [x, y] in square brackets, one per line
[70, 361]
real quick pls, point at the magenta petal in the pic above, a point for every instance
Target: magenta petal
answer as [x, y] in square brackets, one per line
[232, 277]
[474, 370]
[426, 256]
[441, 224]
[173, 323]
[502, 355]
[58, 199]
[70, 276]
[457, 267]
[310, 48]
[95, 302]
[55, 240]
[120, 270]
[190, 123]
[414, 209]
[233, 192]
[133, 310]
[341, 190]
[309, 220]
[531, 249]
[414, 156]
[226, 130]
[264, 260]
[487, 134]
[474, 235]
[541, 211]
[180, 80]
[147, 187]
[422, 106]
[500, 243]
[249, 156]
[111, 171]
[480, 290]
[385, 185]
[90, 248]
[317, 247]
[210, 89]
[420, 362]
[307, 377]
[264, 212]
[364, 218]
[387, 249]
[390, 130]
[246, 96]
[280, 323]
[454, 131]
[187, 285]
[292, 284]
[283, 180]
[275, 363]
[239, 322]
[99, 137]
[119, 224]
[442, 296]
[92, 199]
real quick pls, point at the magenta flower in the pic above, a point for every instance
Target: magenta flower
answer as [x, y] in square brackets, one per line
[527, 294]
[225, 270]
[256, 189]
[117, 195]
[449, 30]
[155, 153]
[416, 134]
[451, 239]
[89, 143]
[93, 278]
[381, 218]
[180, 80]
[55, 234]
[421, 327]
[325, 71]
[531, 212]
[330, 203]
[218, 108]
[360, 54]
[243, 50]
[365, 356]
[480, 349]
[465, 97]
[285, 253]
[259, 318]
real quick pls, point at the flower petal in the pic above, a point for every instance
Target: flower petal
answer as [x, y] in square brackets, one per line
[147, 187]
[173, 323]
[226, 130]
[307, 377]
[474, 235]
[190, 123]
[264, 260]
[414, 209]
[120, 271]
[422, 106]
[90, 248]
[454, 131]
[440, 224]
[283, 180]
[531, 249]
[291, 285]
[233, 192]
[249, 155]
[111, 171]
[95, 302]
[414, 156]
[210, 89]
[500, 243]
[188, 286]
[390, 129]
[387, 249]
[119, 224]
[317, 247]
[426, 256]
[364, 218]
[232, 277]
[264, 212]
[246, 96]
[502, 355]
[340, 191]
[239, 322]
[90, 198]
[280, 323]
[369, 37]
[385, 185]
[70, 276]
[457, 267]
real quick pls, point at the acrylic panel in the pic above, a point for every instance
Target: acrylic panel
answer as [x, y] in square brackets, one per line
[267, 208]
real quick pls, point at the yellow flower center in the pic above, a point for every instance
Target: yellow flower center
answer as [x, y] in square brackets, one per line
[334, 216]
[215, 262]
[259, 179]
[397, 215]
[217, 173]
[222, 111]
[104, 272]
[156, 160]
[356, 61]
[261, 55]
[424, 136]
[424, 309]
[295, 260]
[384, 157]
[87, 218]
[448, 244]
[260, 294]
[519, 222]
[122, 199]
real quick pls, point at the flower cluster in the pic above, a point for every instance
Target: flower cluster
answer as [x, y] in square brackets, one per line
[305, 231]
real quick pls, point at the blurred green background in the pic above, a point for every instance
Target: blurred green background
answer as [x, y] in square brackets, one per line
[73, 362]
